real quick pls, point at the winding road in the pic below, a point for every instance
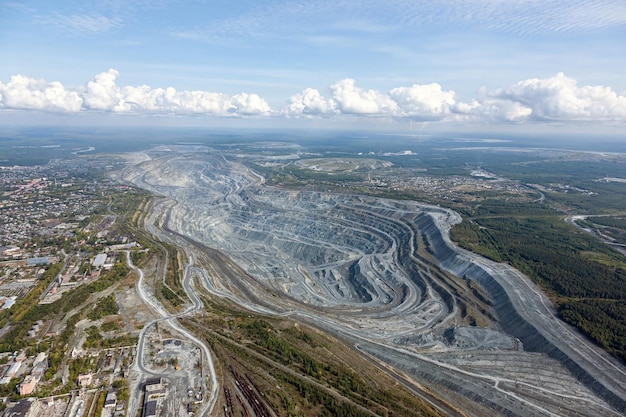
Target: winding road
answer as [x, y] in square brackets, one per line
[139, 369]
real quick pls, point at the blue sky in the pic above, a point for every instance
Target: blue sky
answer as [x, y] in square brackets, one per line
[436, 63]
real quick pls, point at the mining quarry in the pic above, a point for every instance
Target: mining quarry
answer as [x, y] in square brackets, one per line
[383, 276]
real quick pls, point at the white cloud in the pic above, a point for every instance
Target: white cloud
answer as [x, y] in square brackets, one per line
[341, 18]
[82, 23]
[103, 94]
[23, 92]
[309, 102]
[353, 100]
[427, 100]
[195, 102]
[140, 98]
[248, 104]
[490, 109]
[558, 98]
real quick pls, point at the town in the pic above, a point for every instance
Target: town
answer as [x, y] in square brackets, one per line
[59, 243]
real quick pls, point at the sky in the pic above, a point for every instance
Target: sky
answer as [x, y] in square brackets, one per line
[394, 64]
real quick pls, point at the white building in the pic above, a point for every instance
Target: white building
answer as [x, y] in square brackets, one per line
[13, 369]
[99, 260]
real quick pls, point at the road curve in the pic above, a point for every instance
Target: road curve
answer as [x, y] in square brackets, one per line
[172, 320]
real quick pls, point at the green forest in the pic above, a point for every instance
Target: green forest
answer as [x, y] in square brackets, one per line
[584, 277]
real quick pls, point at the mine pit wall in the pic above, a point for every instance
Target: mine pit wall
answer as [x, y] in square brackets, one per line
[508, 317]
[360, 285]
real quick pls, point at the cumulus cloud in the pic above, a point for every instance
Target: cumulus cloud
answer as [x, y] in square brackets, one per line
[557, 98]
[350, 99]
[29, 93]
[309, 102]
[102, 93]
[560, 98]
[425, 101]
[248, 104]
[490, 109]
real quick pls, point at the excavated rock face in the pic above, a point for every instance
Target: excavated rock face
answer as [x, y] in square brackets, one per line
[353, 260]
[536, 335]
[346, 254]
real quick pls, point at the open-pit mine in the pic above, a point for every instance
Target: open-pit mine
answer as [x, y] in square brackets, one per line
[382, 276]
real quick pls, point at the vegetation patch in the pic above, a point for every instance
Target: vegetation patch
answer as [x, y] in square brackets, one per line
[601, 320]
[105, 306]
[585, 277]
[303, 373]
